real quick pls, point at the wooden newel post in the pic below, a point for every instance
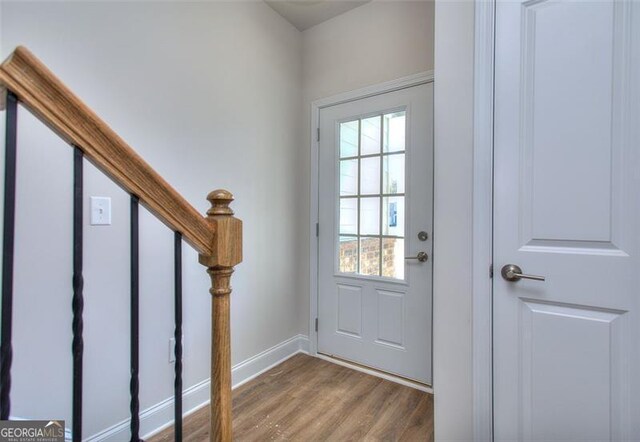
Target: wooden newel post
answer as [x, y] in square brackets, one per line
[227, 252]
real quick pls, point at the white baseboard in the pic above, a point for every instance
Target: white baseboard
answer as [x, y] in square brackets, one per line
[258, 364]
[157, 417]
[160, 416]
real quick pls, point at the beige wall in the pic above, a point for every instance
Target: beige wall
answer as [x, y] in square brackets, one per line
[376, 42]
[191, 86]
[209, 93]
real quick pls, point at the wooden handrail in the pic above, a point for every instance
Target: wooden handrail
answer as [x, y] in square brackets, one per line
[217, 237]
[51, 101]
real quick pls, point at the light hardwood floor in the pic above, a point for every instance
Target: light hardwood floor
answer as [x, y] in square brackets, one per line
[308, 399]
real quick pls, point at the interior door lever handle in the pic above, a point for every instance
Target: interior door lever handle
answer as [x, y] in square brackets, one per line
[513, 273]
[422, 257]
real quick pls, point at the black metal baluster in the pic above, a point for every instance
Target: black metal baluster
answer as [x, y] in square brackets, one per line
[6, 353]
[178, 335]
[135, 301]
[78, 299]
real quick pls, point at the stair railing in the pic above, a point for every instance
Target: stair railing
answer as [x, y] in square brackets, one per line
[217, 237]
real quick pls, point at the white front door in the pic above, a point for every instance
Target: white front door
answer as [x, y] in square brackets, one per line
[567, 207]
[375, 218]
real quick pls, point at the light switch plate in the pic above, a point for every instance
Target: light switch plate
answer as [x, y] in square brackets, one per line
[100, 211]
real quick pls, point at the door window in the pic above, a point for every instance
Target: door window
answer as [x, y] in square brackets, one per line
[372, 195]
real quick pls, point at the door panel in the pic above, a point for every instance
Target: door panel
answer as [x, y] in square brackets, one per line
[391, 318]
[563, 347]
[349, 310]
[567, 206]
[375, 196]
[559, 115]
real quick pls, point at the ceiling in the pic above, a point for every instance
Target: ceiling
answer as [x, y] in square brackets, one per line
[304, 14]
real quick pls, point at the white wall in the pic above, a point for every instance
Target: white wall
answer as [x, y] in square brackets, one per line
[376, 42]
[209, 94]
[454, 54]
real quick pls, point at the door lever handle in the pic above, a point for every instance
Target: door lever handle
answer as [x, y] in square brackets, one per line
[422, 257]
[513, 273]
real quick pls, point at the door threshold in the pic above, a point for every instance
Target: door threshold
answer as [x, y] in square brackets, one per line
[375, 372]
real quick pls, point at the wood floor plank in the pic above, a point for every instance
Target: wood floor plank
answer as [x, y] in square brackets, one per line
[329, 406]
[367, 413]
[394, 418]
[419, 429]
[273, 398]
[309, 399]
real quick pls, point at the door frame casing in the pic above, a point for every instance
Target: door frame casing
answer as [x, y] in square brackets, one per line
[316, 106]
[482, 257]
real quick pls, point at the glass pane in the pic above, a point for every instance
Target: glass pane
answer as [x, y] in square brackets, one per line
[393, 216]
[348, 177]
[393, 258]
[370, 216]
[393, 174]
[349, 216]
[348, 255]
[370, 176]
[370, 135]
[394, 132]
[349, 139]
[370, 256]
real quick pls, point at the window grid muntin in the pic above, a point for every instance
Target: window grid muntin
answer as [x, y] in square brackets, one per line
[381, 154]
[369, 155]
[381, 199]
[371, 195]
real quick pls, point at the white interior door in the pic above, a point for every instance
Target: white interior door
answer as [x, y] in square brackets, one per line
[567, 207]
[375, 199]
